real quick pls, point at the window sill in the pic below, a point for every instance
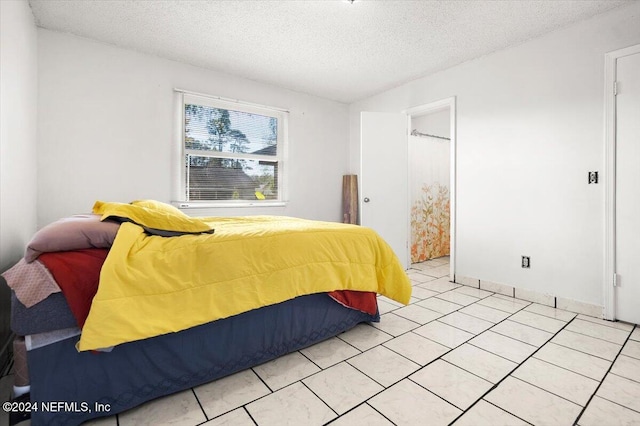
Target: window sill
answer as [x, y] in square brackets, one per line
[210, 204]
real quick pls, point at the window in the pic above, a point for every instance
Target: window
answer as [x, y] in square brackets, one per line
[233, 152]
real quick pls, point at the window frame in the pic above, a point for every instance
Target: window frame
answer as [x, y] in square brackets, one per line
[281, 157]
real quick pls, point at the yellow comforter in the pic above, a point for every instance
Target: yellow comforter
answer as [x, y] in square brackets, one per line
[152, 285]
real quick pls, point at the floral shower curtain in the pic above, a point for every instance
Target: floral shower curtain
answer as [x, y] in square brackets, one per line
[430, 203]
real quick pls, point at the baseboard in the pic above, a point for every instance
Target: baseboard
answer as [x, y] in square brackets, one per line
[533, 296]
[471, 282]
[505, 290]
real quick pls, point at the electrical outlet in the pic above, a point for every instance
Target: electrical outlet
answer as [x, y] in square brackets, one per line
[593, 177]
[526, 262]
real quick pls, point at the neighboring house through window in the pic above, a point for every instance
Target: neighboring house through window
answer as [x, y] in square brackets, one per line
[233, 152]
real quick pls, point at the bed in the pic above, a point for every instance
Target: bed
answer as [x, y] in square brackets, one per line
[160, 302]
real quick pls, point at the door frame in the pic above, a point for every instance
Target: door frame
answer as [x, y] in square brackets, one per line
[422, 110]
[610, 58]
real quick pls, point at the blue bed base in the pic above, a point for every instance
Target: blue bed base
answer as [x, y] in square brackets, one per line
[137, 372]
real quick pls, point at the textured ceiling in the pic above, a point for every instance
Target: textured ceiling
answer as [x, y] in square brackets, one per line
[329, 48]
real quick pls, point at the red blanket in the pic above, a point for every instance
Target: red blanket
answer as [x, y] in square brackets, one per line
[78, 274]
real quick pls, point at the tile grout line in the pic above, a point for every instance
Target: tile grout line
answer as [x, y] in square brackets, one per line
[599, 338]
[549, 316]
[465, 370]
[311, 361]
[422, 307]
[272, 393]
[363, 351]
[440, 357]
[617, 403]
[344, 414]
[438, 396]
[604, 378]
[263, 382]
[548, 391]
[455, 303]
[479, 298]
[395, 352]
[457, 328]
[475, 335]
[318, 396]
[399, 316]
[354, 408]
[451, 349]
[500, 408]
[244, 407]
[405, 377]
[623, 377]
[498, 309]
[422, 286]
[599, 381]
[193, 391]
[421, 366]
[234, 409]
[606, 321]
[417, 271]
[602, 340]
[509, 374]
[582, 352]
[344, 341]
[522, 341]
[377, 382]
[493, 353]
[378, 411]
[248, 402]
[346, 360]
[568, 369]
[398, 381]
[484, 319]
[532, 355]
[532, 326]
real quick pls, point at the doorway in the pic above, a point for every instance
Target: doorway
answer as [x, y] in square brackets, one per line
[429, 186]
[384, 170]
[432, 172]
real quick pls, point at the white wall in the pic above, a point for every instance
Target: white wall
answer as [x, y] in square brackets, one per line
[529, 127]
[18, 101]
[106, 130]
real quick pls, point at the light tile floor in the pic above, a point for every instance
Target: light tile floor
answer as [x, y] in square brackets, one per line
[456, 355]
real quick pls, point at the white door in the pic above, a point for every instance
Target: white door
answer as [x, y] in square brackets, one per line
[384, 178]
[627, 189]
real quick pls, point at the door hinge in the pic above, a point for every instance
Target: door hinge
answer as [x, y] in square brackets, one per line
[615, 88]
[615, 280]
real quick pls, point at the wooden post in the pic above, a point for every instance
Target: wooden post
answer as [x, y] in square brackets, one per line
[350, 199]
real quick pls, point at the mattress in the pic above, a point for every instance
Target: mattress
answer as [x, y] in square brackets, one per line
[139, 371]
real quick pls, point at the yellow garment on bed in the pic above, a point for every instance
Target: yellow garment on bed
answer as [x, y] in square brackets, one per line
[152, 285]
[153, 215]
